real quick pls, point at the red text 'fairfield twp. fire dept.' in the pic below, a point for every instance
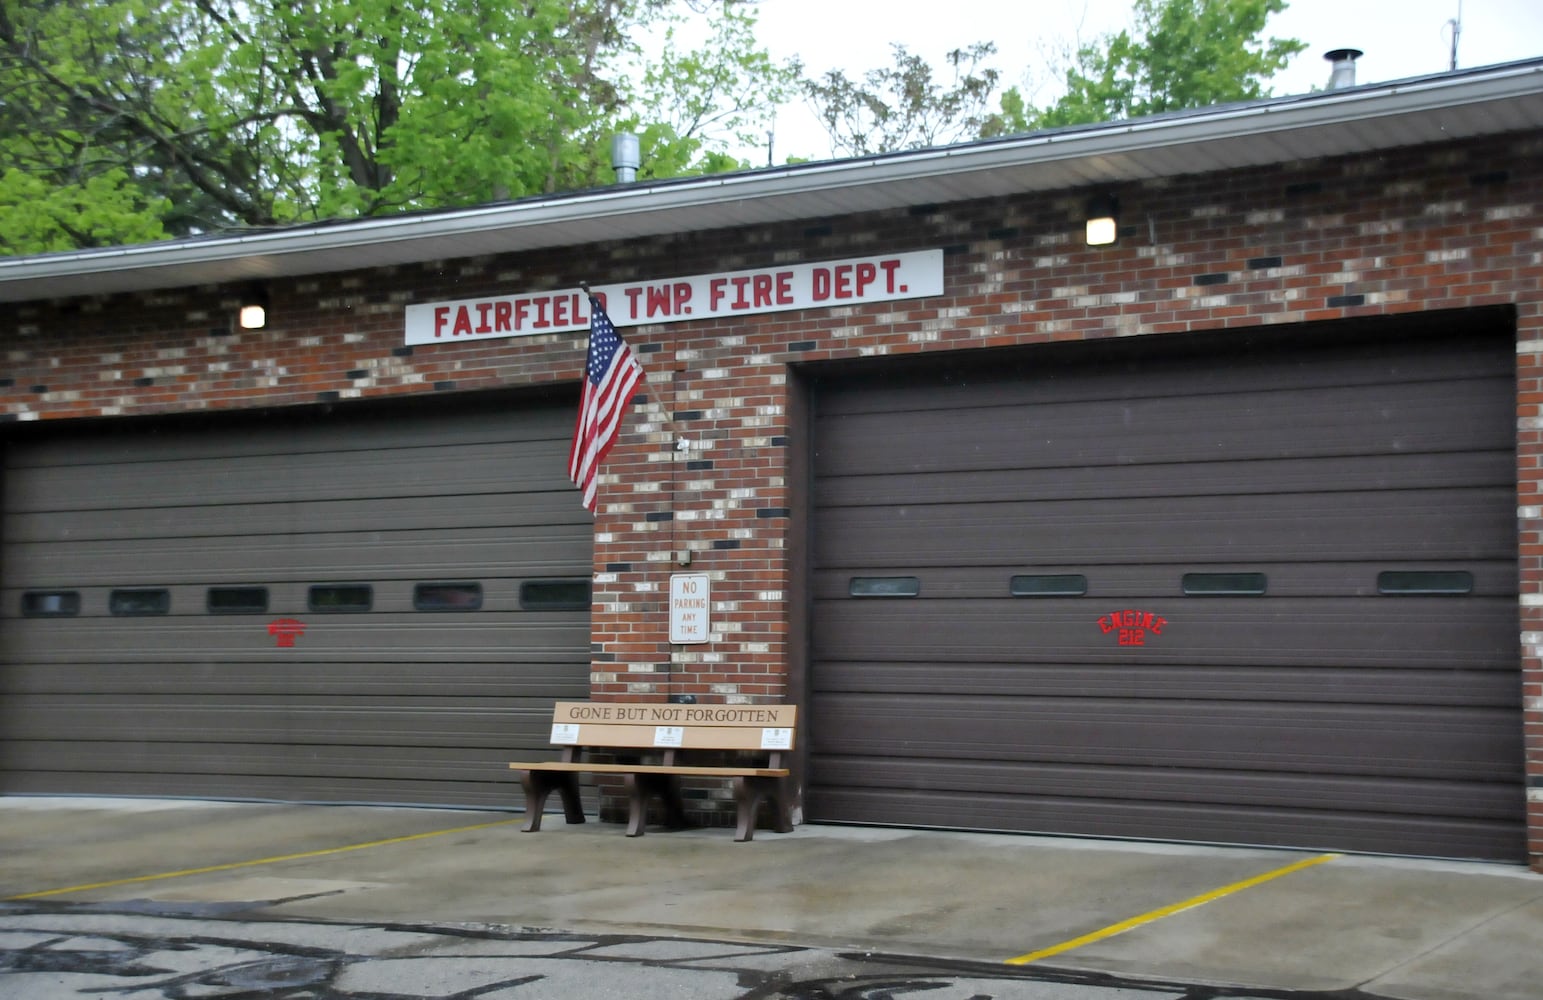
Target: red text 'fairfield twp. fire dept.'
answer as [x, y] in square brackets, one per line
[672, 300]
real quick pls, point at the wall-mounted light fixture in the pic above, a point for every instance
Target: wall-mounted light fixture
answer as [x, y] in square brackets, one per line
[253, 314]
[1103, 220]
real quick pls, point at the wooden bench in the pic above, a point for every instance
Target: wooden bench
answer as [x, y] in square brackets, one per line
[677, 741]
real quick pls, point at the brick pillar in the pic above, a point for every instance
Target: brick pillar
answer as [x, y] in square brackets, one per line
[1529, 494]
[700, 470]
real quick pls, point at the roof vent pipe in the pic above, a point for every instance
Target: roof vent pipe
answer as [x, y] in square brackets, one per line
[625, 157]
[1343, 74]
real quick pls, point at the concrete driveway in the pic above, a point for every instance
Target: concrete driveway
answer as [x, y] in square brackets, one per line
[1153, 913]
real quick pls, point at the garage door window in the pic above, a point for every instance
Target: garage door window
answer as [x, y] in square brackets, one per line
[1425, 582]
[447, 596]
[555, 595]
[884, 586]
[1058, 585]
[237, 600]
[143, 601]
[50, 603]
[1224, 584]
[340, 597]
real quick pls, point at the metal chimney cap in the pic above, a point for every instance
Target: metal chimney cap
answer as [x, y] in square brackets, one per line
[1343, 73]
[625, 157]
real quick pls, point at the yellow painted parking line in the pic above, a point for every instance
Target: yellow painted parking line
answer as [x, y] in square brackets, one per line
[232, 866]
[1168, 911]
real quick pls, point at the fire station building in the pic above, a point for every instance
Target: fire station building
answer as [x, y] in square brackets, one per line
[1226, 530]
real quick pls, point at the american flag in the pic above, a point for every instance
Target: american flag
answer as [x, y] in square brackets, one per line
[611, 373]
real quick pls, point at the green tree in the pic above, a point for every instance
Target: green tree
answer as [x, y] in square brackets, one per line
[103, 208]
[903, 106]
[1182, 54]
[691, 106]
[148, 117]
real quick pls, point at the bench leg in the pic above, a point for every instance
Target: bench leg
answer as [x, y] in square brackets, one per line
[538, 785]
[641, 788]
[748, 795]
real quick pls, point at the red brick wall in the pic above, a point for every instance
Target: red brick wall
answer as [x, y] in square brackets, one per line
[1422, 229]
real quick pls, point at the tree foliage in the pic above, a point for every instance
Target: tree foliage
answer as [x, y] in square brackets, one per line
[903, 106]
[691, 104]
[1181, 54]
[128, 120]
[122, 120]
[1178, 54]
[100, 209]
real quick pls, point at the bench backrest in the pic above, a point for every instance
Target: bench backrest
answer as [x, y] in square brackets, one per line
[684, 727]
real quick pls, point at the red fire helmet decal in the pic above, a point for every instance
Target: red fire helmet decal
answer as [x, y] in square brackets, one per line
[285, 631]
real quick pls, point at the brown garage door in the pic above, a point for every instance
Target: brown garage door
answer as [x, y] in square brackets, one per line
[1256, 589]
[309, 608]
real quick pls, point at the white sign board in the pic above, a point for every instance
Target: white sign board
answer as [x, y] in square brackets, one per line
[883, 278]
[776, 739]
[690, 607]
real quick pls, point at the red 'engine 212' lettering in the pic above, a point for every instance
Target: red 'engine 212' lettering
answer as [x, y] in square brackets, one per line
[1132, 626]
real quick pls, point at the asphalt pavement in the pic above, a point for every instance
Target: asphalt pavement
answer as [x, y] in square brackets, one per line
[158, 898]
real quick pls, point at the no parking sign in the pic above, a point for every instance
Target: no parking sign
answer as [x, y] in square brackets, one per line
[690, 607]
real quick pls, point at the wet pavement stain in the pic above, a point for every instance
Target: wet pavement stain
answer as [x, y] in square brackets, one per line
[133, 951]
